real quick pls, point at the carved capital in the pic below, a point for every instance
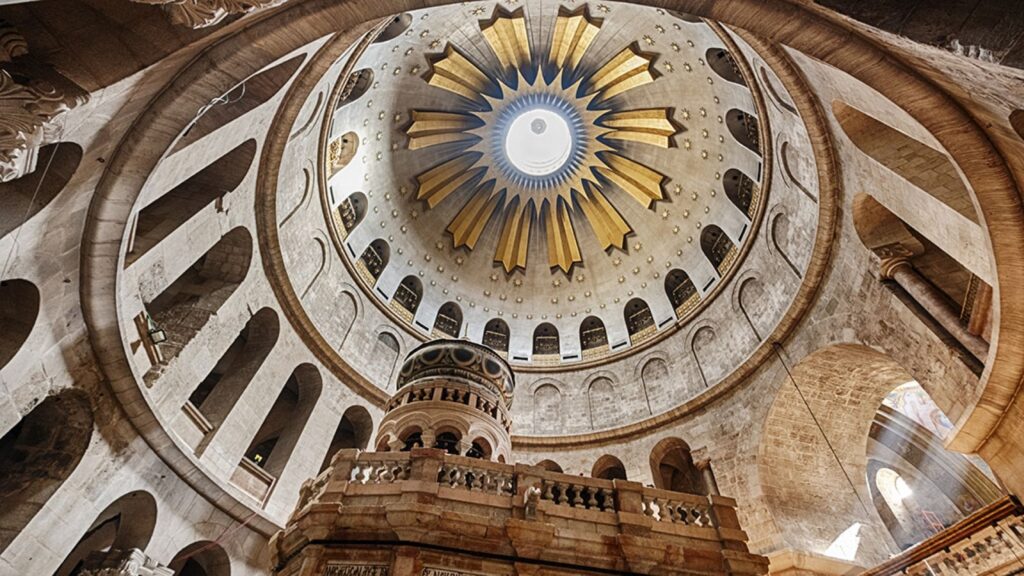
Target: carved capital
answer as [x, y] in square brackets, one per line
[203, 13]
[889, 266]
[122, 563]
[12, 43]
[32, 97]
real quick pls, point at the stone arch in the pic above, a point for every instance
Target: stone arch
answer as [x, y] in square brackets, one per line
[807, 491]
[239, 100]
[375, 258]
[127, 522]
[352, 211]
[1017, 122]
[448, 322]
[202, 558]
[344, 314]
[755, 305]
[723, 64]
[322, 265]
[272, 446]
[701, 345]
[496, 335]
[37, 457]
[25, 197]
[480, 448]
[673, 469]
[550, 466]
[739, 189]
[184, 307]
[682, 293]
[408, 295]
[907, 436]
[341, 151]
[305, 197]
[310, 120]
[773, 92]
[718, 248]
[163, 216]
[602, 403]
[639, 320]
[545, 340]
[656, 381]
[786, 153]
[593, 336]
[782, 233]
[399, 24]
[548, 411]
[215, 397]
[19, 310]
[387, 352]
[447, 438]
[357, 84]
[353, 431]
[608, 467]
[744, 129]
[905, 156]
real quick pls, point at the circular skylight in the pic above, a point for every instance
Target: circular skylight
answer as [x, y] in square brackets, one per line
[538, 142]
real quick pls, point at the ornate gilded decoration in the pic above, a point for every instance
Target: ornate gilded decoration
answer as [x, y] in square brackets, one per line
[474, 137]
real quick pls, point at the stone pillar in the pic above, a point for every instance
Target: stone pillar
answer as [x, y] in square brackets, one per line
[122, 563]
[708, 476]
[901, 271]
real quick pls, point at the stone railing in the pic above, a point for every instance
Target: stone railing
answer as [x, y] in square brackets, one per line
[676, 508]
[457, 474]
[448, 391]
[512, 512]
[988, 542]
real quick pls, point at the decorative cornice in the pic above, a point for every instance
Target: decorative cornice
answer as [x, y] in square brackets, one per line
[32, 98]
[203, 13]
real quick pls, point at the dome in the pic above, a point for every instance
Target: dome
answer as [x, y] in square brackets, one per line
[759, 255]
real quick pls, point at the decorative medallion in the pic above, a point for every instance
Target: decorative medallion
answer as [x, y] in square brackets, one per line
[538, 140]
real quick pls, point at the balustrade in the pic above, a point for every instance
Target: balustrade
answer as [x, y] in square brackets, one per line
[689, 511]
[578, 495]
[476, 478]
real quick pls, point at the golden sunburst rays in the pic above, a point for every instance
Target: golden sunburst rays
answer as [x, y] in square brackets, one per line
[471, 140]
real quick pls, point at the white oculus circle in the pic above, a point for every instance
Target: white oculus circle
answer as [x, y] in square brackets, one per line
[538, 142]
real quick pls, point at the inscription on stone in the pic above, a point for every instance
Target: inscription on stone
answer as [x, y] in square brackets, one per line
[446, 572]
[355, 570]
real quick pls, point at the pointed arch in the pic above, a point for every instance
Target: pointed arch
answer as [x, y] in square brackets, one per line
[673, 469]
[127, 522]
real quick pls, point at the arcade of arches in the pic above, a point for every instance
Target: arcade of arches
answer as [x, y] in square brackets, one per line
[761, 249]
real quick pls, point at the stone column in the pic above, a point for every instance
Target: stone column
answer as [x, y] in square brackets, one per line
[708, 476]
[901, 271]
